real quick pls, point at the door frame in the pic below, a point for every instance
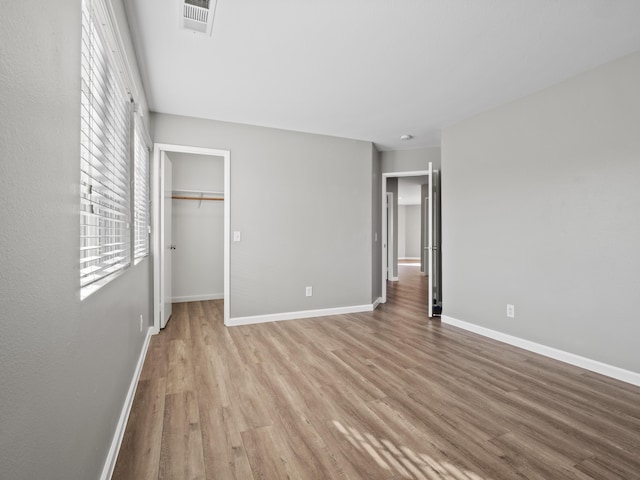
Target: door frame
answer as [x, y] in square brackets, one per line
[165, 258]
[390, 237]
[156, 231]
[415, 173]
[424, 244]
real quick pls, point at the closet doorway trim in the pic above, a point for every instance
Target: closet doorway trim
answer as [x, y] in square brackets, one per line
[157, 192]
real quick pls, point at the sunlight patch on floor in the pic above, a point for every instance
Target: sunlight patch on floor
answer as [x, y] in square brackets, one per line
[402, 459]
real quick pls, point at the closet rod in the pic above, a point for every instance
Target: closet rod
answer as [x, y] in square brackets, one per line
[196, 198]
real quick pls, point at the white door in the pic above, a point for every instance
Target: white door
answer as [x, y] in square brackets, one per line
[433, 243]
[390, 236]
[424, 211]
[166, 245]
[430, 243]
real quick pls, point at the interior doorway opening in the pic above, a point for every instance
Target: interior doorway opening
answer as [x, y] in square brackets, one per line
[394, 223]
[163, 246]
[411, 230]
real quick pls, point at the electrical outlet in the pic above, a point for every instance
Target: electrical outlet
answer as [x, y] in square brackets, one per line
[309, 291]
[141, 322]
[511, 311]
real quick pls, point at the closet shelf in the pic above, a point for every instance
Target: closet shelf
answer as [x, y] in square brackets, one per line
[199, 195]
[180, 197]
[195, 192]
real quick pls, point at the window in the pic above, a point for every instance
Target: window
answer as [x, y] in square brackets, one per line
[140, 192]
[105, 211]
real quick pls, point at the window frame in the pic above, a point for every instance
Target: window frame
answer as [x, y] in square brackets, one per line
[141, 187]
[109, 127]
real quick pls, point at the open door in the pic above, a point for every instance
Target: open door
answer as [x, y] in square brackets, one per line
[166, 245]
[433, 243]
[391, 269]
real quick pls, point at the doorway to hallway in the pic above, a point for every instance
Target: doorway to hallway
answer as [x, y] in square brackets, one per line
[426, 226]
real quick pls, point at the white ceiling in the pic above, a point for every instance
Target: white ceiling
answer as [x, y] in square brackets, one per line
[371, 69]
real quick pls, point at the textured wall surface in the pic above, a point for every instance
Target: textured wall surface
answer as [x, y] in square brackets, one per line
[402, 231]
[410, 160]
[302, 203]
[65, 365]
[412, 230]
[198, 229]
[540, 210]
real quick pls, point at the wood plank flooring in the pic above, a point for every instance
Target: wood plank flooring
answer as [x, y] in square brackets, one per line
[383, 395]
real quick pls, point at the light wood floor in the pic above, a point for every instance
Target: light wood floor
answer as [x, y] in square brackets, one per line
[382, 395]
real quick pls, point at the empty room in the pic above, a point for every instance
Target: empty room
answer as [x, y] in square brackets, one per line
[320, 240]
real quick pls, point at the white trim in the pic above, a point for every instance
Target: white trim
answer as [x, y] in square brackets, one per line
[166, 215]
[408, 258]
[593, 365]
[157, 191]
[385, 240]
[116, 45]
[276, 317]
[198, 298]
[116, 442]
[415, 173]
[227, 232]
[390, 236]
[429, 243]
[377, 302]
[394, 279]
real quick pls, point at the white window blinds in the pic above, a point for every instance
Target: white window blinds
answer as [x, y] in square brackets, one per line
[105, 196]
[140, 193]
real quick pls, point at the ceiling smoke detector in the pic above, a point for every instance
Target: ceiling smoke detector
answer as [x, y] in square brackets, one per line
[197, 15]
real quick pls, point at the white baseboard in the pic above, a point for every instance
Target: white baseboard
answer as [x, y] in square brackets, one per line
[595, 366]
[394, 279]
[110, 462]
[377, 302]
[276, 317]
[198, 298]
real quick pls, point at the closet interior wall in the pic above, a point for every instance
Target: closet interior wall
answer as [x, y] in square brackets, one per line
[197, 228]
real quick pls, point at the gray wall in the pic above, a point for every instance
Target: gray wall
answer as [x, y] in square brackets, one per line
[412, 229]
[402, 231]
[541, 202]
[65, 365]
[376, 225]
[197, 269]
[303, 205]
[410, 160]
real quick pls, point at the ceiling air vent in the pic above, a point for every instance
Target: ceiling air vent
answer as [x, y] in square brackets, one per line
[197, 15]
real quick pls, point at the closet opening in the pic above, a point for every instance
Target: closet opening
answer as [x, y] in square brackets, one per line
[191, 192]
